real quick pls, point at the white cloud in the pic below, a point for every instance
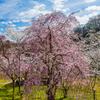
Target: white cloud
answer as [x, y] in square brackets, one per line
[3, 22]
[21, 20]
[15, 33]
[92, 11]
[60, 5]
[10, 22]
[22, 28]
[8, 6]
[84, 19]
[25, 20]
[93, 8]
[89, 1]
[34, 12]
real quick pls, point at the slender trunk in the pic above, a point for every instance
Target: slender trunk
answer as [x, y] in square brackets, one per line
[51, 97]
[51, 90]
[65, 92]
[93, 88]
[19, 85]
[13, 96]
[50, 94]
[94, 94]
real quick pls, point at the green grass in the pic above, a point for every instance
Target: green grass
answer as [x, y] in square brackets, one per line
[38, 92]
[6, 90]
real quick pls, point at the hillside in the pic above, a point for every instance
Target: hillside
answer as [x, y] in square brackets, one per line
[89, 37]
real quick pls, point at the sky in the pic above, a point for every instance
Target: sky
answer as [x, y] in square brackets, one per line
[19, 14]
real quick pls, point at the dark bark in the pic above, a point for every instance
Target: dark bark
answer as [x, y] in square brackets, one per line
[51, 94]
[19, 85]
[94, 94]
[65, 91]
[13, 95]
[93, 87]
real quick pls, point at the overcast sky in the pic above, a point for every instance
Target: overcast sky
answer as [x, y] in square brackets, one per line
[19, 13]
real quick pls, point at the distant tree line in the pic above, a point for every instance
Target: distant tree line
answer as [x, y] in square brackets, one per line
[92, 26]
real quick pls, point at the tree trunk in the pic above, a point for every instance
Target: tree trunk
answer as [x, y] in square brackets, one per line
[65, 92]
[19, 85]
[94, 94]
[13, 96]
[93, 88]
[50, 94]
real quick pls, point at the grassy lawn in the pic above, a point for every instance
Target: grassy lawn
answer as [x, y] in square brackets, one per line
[38, 92]
[6, 90]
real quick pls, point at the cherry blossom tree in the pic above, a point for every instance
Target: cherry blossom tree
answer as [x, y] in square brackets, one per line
[59, 59]
[49, 53]
[7, 64]
[13, 62]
